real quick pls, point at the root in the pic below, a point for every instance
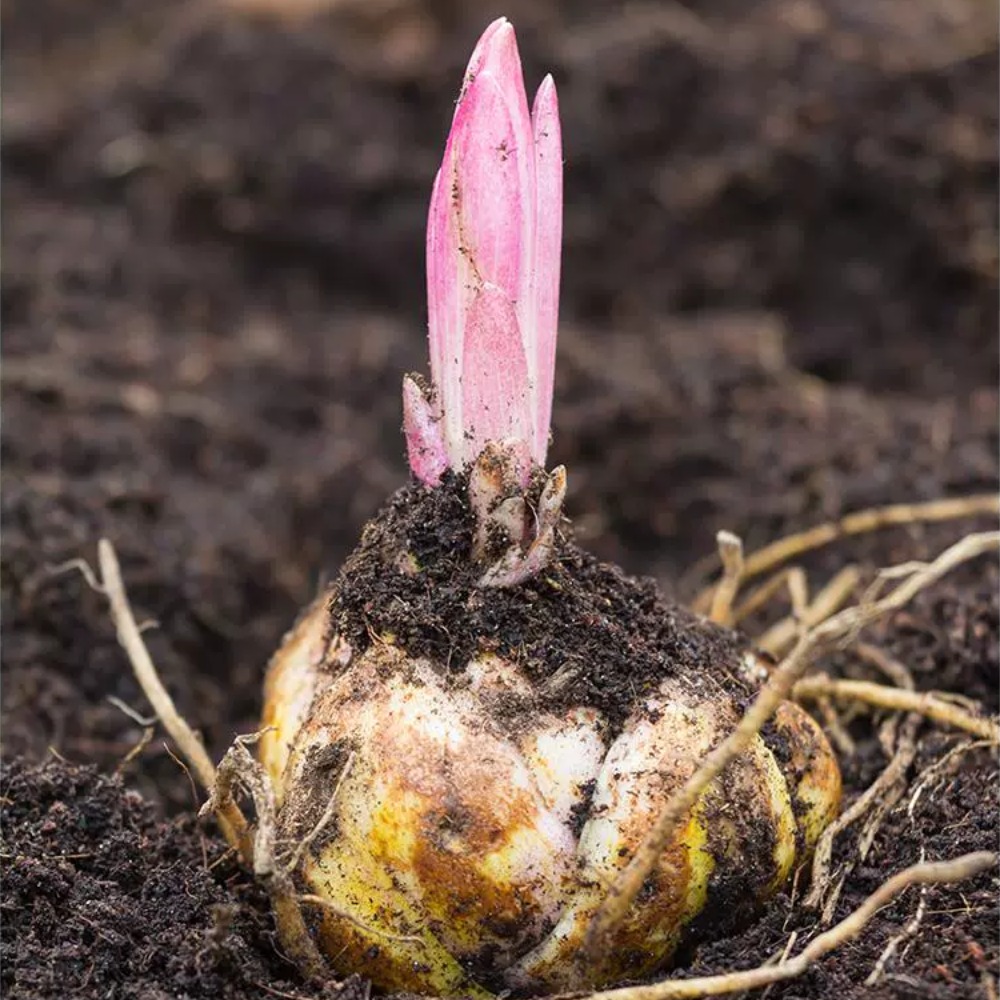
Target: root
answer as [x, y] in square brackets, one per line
[888, 786]
[731, 554]
[239, 769]
[891, 668]
[325, 819]
[775, 690]
[930, 704]
[944, 765]
[938, 873]
[884, 793]
[144, 741]
[231, 820]
[892, 947]
[780, 637]
[860, 522]
[907, 750]
[762, 595]
[836, 730]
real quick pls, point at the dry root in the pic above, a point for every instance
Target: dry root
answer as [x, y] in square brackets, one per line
[777, 688]
[939, 873]
[731, 554]
[781, 551]
[806, 614]
[240, 770]
[907, 932]
[231, 820]
[931, 704]
[878, 799]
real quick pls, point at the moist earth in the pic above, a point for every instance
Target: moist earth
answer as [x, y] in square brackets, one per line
[780, 285]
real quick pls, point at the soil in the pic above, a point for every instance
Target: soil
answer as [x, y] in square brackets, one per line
[779, 305]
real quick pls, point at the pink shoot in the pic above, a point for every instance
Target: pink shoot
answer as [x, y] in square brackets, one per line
[494, 235]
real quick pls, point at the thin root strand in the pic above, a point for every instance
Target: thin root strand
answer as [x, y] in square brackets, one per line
[776, 689]
[231, 820]
[731, 554]
[929, 704]
[937, 873]
[860, 522]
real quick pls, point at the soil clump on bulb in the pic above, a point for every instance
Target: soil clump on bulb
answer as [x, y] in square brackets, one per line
[584, 632]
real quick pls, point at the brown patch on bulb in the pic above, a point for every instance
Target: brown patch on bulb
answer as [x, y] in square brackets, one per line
[440, 802]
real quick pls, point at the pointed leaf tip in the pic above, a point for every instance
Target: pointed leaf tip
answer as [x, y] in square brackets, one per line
[479, 53]
[546, 253]
[424, 440]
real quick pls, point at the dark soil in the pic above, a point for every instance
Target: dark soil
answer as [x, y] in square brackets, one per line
[779, 305]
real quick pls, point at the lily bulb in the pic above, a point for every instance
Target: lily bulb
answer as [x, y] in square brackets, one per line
[470, 733]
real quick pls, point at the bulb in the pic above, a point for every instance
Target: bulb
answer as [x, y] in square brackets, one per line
[479, 817]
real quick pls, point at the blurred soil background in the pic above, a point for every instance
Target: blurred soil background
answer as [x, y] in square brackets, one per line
[779, 305]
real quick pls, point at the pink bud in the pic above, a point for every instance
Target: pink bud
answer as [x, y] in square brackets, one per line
[424, 442]
[493, 243]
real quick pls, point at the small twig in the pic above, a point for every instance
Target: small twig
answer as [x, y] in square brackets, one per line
[194, 797]
[860, 522]
[58, 756]
[731, 554]
[781, 957]
[280, 993]
[776, 689]
[930, 704]
[144, 741]
[938, 873]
